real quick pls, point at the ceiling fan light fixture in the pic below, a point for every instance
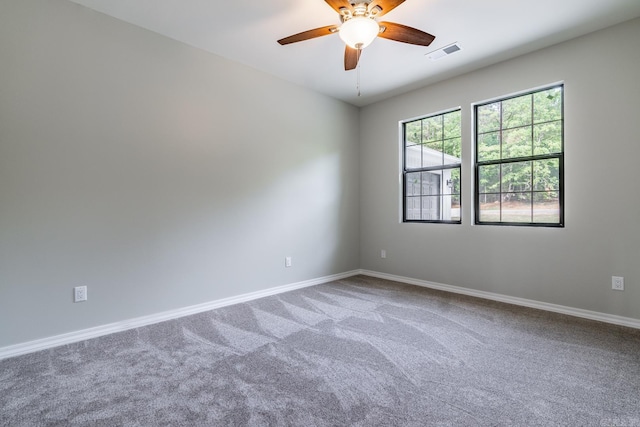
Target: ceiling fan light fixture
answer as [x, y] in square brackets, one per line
[359, 32]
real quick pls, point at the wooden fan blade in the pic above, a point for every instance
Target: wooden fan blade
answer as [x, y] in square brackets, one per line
[351, 57]
[386, 5]
[311, 34]
[338, 4]
[404, 34]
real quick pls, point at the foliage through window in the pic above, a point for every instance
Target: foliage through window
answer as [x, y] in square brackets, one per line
[519, 159]
[431, 168]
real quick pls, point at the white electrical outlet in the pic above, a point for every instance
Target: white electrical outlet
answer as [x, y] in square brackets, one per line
[79, 293]
[383, 253]
[287, 261]
[617, 283]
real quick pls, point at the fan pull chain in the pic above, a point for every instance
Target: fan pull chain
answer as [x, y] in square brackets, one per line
[358, 73]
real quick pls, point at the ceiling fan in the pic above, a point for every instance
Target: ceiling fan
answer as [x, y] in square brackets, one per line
[359, 27]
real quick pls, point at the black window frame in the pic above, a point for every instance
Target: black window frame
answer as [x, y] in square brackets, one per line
[441, 168]
[553, 156]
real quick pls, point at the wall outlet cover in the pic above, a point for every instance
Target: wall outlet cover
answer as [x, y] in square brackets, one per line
[617, 283]
[79, 293]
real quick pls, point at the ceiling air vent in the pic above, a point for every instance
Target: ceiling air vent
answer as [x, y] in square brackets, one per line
[445, 51]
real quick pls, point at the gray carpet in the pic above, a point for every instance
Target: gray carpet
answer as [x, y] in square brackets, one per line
[359, 351]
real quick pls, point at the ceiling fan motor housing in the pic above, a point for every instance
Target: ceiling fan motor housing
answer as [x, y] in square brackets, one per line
[359, 10]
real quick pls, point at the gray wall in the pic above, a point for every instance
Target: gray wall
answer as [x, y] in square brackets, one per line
[161, 177]
[571, 266]
[156, 174]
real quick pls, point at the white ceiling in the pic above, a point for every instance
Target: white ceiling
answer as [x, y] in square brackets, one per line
[487, 30]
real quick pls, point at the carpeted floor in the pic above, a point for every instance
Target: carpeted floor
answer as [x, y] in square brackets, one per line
[359, 351]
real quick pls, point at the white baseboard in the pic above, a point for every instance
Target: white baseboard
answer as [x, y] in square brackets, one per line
[85, 334]
[577, 312]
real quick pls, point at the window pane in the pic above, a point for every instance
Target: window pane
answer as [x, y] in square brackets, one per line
[452, 124]
[413, 132]
[516, 177]
[413, 156]
[451, 179]
[546, 175]
[489, 179]
[546, 207]
[413, 184]
[488, 117]
[489, 207]
[431, 208]
[516, 143]
[432, 154]
[489, 146]
[430, 183]
[432, 129]
[516, 112]
[547, 138]
[516, 207]
[412, 207]
[547, 105]
[455, 208]
[452, 148]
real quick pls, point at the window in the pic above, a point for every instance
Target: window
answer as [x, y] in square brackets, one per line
[431, 168]
[519, 159]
